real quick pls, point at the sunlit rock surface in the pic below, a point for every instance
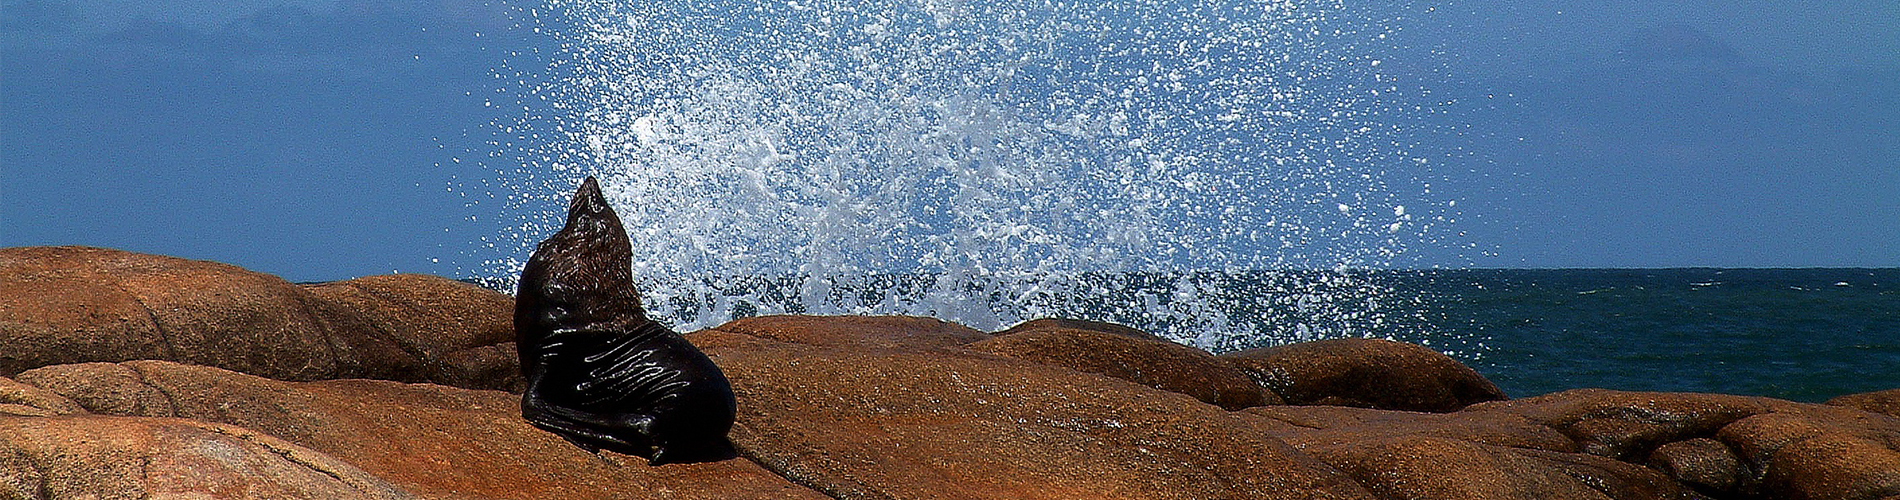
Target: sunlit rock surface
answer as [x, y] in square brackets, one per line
[77, 304]
[102, 457]
[1369, 373]
[254, 391]
[1151, 362]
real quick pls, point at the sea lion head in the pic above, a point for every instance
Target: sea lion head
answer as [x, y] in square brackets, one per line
[589, 212]
[582, 276]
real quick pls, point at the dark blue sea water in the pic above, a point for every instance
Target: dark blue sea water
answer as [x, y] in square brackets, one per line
[1799, 334]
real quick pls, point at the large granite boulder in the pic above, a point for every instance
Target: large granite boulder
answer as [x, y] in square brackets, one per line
[1885, 402]
[877, 332]
[100, 457]
[829, 407]
[453, 333]
[429, 440]
[61, 305]
[1703, 464]
[1078, 324]
[1468, 454]
[1368, 373]
[1311, 426]
[1629, 425]
[29, 400]
[1816, 452]
[1155, 363]
[1604, 444]
[1437, 468]
[855, 422]
[73, 304]
[1770, 448]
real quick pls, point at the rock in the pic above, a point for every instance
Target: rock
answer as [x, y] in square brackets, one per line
[430, 440]
[63, 305]
[1628, 426]
[841, 407]
[1368, 373]
[1729, 446]
[99, 457]
[850, 421]
[1310, 426]
[1833, 466]
[1155, 363]
[1077, 324]
[451, 329]
[23, 399]
[1883, 402]
[1693, 444]
[1816, 451]
[880, 332]
[1436, 468]
[71, 304]
[1466, 454]
[103, 388]
[854, 422]
[1705, 463]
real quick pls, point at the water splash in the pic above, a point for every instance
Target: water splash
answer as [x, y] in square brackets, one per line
[1216, 172]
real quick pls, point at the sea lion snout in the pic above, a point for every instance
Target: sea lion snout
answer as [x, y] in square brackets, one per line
[589, 203]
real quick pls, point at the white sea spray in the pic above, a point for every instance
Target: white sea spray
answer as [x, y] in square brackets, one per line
[1221, 173]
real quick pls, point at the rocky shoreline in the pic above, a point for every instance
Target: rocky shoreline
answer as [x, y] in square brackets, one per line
[125, 375]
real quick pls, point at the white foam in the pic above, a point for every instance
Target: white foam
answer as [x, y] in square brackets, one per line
[1003, 151]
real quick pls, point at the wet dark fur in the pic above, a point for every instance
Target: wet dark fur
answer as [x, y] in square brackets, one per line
[599, 372]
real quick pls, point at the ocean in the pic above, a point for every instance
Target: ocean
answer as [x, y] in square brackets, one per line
[991, 162]
[1797, 334]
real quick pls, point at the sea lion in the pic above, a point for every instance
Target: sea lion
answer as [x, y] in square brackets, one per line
[599, 372]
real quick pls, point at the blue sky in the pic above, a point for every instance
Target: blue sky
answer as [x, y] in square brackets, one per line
[319, 139]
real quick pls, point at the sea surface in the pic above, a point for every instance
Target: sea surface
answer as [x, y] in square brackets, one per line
[1798, 334]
